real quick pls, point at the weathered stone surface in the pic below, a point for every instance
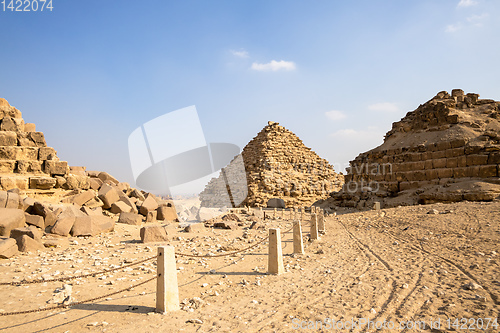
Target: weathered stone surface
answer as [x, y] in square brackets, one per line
[13, 200]
[226, 225]
[95, 183]
[108, 195]
[12, 124]
[205, 213]
[78, 170]
[84, 197]
[43, 210]
[63, 225]
[8, 138]
[195, 227]
[151, 217]
[29, 127]
[130, 218]
[106, 177]
[8, 248]
[32, 232]
[92, 225]
[153, 234]
[7, 166]
[55, 168]
[148, 205]
[59, 242]
[27, 244]
[10, 219]
[29, 167]
[11, 182]
[165, 213]
[42, 183]
[120, 207]
[92, 211]
[47, 153]
[3, 199]
[137, 194]
[74, 182]
[276, 203]
[35, 220]
[128, 201]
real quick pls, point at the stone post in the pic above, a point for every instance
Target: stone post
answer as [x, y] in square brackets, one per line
[298, 245]
[275, 257]
[314, 227]
[167, 290]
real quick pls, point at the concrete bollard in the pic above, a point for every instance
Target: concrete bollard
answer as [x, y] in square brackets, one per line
[321, 224]
[167, 290]
[275, 257]
[314, 227]
[298, 245]
[376, 206]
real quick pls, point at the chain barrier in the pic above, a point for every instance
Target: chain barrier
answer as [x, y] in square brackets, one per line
[65, 306]
[62, 279]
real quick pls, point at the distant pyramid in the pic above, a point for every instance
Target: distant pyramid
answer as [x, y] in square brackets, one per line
[278, 165]
[446, 150]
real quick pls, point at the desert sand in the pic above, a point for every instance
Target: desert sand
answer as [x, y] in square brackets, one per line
[431, 263]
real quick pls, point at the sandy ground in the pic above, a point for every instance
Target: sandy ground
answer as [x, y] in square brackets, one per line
[393, 265]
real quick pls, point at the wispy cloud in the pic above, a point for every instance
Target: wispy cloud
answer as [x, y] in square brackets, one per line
[383, 107]
[477, 20]
[240, 53]
[467, 3]
[368, 137]
[335, 115]
[451, 28]
[274, 66]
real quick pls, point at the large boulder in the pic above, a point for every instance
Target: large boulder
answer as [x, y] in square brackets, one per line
[63, 225]
[276, 203]
[43, 209]
[10, 219]
[107, 178]
[8, 247]
[153, 234]
[166, 213]
[84, 197]
[148, 205]
[32, 232]
[27, 244]
[130, 218]
[109, 195]
[35, 220]
[92, 225]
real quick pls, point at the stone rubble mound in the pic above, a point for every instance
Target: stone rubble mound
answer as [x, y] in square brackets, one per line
[447, 150]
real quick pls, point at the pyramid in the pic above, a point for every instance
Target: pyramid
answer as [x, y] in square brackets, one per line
[25, 160]
[446, 150]
[277, 165]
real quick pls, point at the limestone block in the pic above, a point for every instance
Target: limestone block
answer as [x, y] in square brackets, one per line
[29, 127]
[106, 177]
[439, 163]
[166, 213]
[130, 218]
[43, 209]
[452, 162]
[276, 203]
[95, 183]
[486, 171]
[92, 225]
[32, 232]
[8, 138]
[77, 170]
[460, 173]
[63, 225]
[27, 244]
[438, 154]
[137, 194]
[445, 173]
[151, 217]
[8, 248]
[28, 167]
[10, 219]
[11, 182]
[12, 124]
[108, 195]
[119, 207]
[195, 227]
[7, 166]
[477, 160]
[494, 158]
[13, 200]
[42, 183]
[35, 220]
[148, 205]
[55, 168]
[74, 182]
[153, 234]
[47, 153]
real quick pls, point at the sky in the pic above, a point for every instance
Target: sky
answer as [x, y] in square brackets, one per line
[336, 73]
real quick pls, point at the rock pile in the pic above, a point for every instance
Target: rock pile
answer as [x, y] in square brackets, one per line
[277, 164]
[82, 203]
[447, 150]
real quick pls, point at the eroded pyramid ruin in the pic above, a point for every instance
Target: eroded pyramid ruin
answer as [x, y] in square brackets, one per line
[278, 165]
[446, 150]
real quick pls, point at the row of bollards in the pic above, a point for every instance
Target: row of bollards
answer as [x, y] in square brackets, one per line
[167, 290]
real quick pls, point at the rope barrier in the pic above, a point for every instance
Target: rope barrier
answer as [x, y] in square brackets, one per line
[64, 306]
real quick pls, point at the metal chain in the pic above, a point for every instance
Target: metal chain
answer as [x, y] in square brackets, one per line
[64, 306]
[227, 254]
[62, 279]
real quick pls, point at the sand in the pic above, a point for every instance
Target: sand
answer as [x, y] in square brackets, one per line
[397, 264]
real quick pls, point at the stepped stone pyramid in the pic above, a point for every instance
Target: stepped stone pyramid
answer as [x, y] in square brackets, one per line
[25, 160]
[446, 150]
[278, 165]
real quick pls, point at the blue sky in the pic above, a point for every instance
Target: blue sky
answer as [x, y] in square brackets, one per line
[336, 73]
